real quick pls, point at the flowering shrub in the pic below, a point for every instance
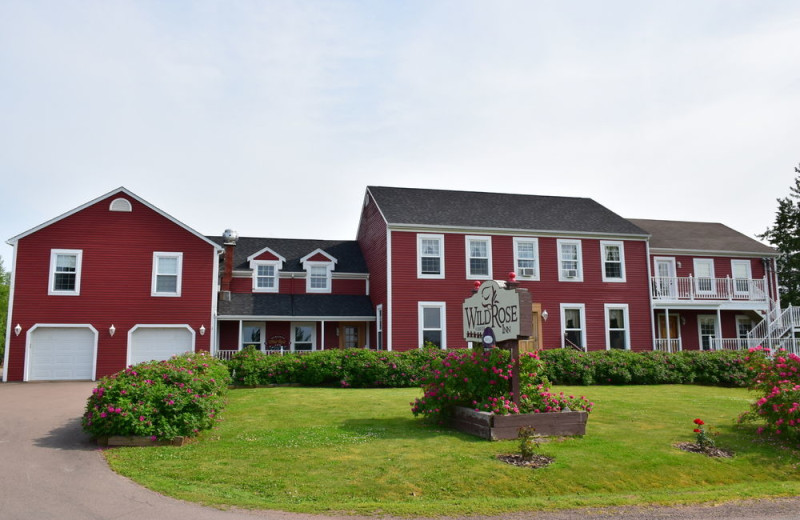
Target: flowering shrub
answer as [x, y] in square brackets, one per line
[615, 367]
[159, 399]
[355, 368]
[703, 437]
[778, 382]
[482, 380]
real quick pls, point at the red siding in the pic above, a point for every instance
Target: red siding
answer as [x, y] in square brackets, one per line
[408, 290]
[115, 279]
[372, 233]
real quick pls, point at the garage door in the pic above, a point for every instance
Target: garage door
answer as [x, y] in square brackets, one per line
[61, 353]
[158, 343]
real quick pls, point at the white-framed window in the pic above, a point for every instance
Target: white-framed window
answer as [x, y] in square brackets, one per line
[65, 272]
[167, 273]
[265, 276]
[570, 261]
[617, 328]
[613, 258]
[526, 258]
[742, 274]
[707, 330]
[573, 325]
[318, 277]
[253, 334]
[479, 257]
[704, 276]
[743, 326]
[432, 324]
[430, 256]
[379, 327]
[304, 336]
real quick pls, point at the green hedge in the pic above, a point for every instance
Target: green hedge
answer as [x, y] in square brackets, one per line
[159, 399]
[366, 368]
[617, 367]
[355, 368]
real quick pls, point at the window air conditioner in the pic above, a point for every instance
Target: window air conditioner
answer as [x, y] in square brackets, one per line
[526, 271]
[570, 273]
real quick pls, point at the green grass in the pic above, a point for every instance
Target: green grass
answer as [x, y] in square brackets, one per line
[361, 451]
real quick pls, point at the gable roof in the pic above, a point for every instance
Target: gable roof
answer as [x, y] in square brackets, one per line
[705, 237]
[12, 241]
[500, 211]
[346, 252]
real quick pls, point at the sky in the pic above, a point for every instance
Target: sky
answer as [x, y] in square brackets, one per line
[272, 117]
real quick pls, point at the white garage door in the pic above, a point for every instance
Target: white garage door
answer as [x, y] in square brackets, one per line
[60, 353]
[159, 343]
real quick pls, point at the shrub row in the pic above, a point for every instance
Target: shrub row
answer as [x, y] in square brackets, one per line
[617, 367]
[161, 400]
[346, 368]
[365, 368]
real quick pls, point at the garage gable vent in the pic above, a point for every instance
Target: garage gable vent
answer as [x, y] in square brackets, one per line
[120, 204]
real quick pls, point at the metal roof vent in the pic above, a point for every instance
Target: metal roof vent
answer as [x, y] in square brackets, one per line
[120, 204]
[230, 237]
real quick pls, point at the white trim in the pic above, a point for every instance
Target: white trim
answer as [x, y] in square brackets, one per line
[117, 191]
[746, 279]
[29, 333]
[260, 252]
[54, 254]
[154, 276]
[627, 322]
[442, 306]
[743, 317]
[714, 253]
[296, 324]
[536, 274]
[440, 239]
[472, 230]
[563, 274]
[328, 267]
[621, 245]
[379, 332]
[582, 312]
[389, 306]
[121, 205]
[467, 251]
[315, 252]
[261, 326]
[158, 326]
[213, 340]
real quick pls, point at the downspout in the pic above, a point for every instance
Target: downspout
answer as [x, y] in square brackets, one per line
[650, 296]
[389, 306]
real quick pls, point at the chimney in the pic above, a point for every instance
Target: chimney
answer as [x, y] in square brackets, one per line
[229, 238]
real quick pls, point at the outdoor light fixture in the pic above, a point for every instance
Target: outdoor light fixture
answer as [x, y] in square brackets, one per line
[17, 329]
[112, 329]
[202, 330]
[545, 315]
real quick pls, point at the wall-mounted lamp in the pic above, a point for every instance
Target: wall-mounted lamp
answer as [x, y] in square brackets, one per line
[202, 330]
[17, 329]
[683, 320]
[679, 265]
[112, 329]
[545, 315]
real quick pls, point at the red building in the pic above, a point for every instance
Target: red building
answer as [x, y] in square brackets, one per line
[118, 281]
[111, 283]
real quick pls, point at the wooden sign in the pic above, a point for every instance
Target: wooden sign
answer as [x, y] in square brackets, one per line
[496, 311]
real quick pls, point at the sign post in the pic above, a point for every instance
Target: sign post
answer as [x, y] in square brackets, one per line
[499, 313]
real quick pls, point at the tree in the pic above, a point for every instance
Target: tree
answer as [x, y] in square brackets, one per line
[785, 236]
[5, 283]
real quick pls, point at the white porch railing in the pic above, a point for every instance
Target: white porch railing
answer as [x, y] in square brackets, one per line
[669, 345]
[730, 344]
[708, 289]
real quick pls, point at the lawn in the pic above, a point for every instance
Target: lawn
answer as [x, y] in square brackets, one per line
[361, 451]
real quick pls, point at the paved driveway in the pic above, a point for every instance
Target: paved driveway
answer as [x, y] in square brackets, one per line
[50, 470]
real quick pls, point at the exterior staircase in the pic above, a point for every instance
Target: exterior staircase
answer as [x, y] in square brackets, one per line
[777, 330]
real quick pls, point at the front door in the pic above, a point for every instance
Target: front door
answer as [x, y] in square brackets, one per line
[673, 335]
[535, 342]
[351, 335]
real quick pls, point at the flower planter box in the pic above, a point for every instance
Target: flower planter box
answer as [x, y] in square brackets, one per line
[118, 440]
[503, 427]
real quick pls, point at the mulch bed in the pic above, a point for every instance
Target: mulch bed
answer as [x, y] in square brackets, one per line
[709, 452]
[537, 461]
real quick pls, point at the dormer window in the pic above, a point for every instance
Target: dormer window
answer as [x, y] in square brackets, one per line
[266, 265]
[319, 267]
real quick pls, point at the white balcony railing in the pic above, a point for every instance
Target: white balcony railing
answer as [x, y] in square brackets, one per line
[689, 288]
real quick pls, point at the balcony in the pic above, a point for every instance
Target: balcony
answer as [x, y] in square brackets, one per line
[688, 289]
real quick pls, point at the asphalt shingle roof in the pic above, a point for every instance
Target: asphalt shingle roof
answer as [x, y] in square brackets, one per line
[347, 252]
[300, 305]
[467, 209]
[700, 236]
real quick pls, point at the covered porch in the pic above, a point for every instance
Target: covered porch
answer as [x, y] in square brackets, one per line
[278, 324]
[708, 328]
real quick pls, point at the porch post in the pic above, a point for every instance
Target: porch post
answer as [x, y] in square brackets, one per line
[239, 336]
[322, 326]
[669, 335]
[719, 329]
